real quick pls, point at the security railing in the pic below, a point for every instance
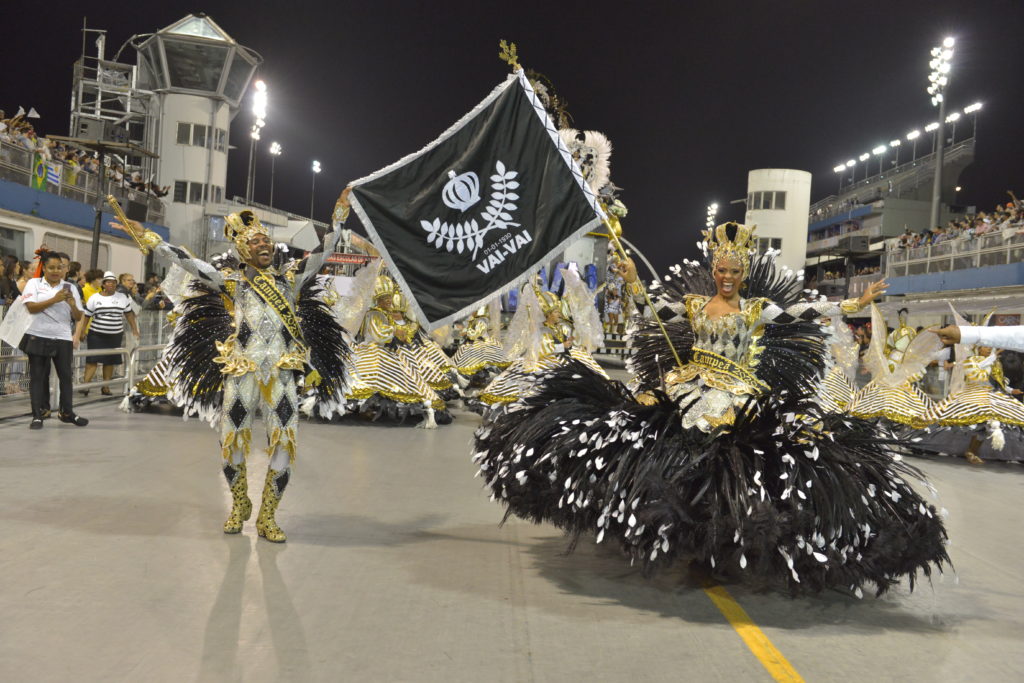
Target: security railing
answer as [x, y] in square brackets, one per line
[992, 249]
[16, 166]
[137, 361]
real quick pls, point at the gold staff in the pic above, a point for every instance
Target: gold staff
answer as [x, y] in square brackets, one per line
[128, 224]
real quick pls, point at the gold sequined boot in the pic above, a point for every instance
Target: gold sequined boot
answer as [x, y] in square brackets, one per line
[241, 506]
[266, 525]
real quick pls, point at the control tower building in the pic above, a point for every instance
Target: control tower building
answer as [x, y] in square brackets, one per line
[198, 76]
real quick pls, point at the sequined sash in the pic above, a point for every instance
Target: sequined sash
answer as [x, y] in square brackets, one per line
[264, 285]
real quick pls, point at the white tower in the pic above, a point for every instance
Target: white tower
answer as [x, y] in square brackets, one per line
[778, 201]
[199, 75]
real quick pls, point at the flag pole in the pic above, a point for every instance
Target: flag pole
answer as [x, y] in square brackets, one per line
[614, 237]
[509, 54]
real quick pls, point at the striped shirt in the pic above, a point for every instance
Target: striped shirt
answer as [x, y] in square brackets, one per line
[107, 312]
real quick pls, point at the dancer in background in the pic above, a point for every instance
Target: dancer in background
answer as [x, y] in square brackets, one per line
[547, 331]
[480, 357]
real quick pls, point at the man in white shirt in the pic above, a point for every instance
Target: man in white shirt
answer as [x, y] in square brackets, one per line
[54, 304]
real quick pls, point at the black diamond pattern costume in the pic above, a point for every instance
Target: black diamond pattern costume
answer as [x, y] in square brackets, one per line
[244, 338]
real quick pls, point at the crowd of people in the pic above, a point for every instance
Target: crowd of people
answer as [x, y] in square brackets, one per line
[19, 131]
[1006, 219]
[95, 290]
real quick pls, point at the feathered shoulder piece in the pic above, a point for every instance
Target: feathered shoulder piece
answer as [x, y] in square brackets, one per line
[205, 319]
[766, 280]
[329, 349]
[686, 279]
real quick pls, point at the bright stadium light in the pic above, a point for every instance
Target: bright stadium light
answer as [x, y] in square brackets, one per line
[895, 144]
[913, 135]
[864, 157]
[941, 66]
[880, 153]
[712, 213]
[841, 168]
[974, 109]
[851, 163]
[931, 127]
[259, 113]
[312, 190]
[275, 152]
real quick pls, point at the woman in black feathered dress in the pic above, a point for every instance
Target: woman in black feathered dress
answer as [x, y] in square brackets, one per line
[725, 456]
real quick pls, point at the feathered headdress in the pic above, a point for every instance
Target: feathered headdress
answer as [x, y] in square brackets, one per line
[592, 151]
[738, 248]
[240, 228]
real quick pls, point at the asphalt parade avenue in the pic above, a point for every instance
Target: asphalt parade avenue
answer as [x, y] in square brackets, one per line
[396, 569]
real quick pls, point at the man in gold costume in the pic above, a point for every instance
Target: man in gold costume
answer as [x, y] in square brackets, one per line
[260, 358]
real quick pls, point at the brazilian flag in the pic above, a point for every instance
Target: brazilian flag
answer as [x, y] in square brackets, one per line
[38, 173]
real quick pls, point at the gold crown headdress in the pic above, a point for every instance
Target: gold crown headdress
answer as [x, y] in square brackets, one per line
[240, 228]
[737, 249]
[549, 301]
[384, 286]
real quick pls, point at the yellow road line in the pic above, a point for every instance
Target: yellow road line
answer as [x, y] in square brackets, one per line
[769, 656]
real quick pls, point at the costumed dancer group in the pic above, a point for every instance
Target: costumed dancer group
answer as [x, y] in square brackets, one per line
[740, 440]
[980, 416]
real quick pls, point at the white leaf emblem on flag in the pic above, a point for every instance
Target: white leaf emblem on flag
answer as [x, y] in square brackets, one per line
[462, 192]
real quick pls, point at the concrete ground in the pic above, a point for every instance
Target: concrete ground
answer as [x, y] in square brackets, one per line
[113, 567]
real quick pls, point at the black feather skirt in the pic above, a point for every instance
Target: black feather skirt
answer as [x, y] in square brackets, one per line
[788, 497]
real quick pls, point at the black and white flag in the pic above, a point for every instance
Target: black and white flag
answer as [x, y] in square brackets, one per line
[479, 209]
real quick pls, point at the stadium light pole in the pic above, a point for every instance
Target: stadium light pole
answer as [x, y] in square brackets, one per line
[895, 144]
[953, 118]
[259, 112]
[840, 170]
[275, 152]
[850, 164]
[312, 191]
[912, 136]
[864, 157]
[938, 79]
[973, 111]
[880, 153]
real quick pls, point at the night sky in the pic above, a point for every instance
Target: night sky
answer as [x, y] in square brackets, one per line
[692, 95]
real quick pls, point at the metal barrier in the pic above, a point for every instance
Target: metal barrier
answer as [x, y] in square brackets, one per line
[132, 374]
[14, 379]
[962, 253]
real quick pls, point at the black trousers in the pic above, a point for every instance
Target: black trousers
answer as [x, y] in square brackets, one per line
[39, 379]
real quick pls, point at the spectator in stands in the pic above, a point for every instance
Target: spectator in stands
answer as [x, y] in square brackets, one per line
[155, 300]
[152, 280]
[126, 285]
[93, 280]
[107, 310]
[10, 273]
[74, 272]
[24, 275]
[54, 304]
